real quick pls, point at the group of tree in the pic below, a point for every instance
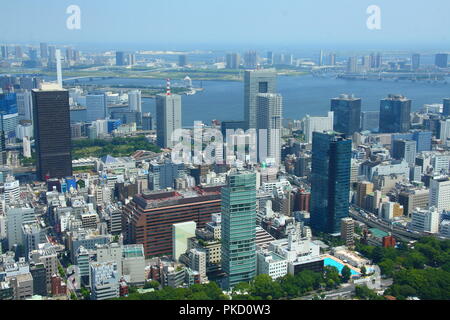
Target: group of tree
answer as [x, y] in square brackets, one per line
[421, 270]
[209, 291]
[263, 287]
[115, 147]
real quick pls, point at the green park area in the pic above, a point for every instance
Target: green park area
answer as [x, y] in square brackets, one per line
[116, 147]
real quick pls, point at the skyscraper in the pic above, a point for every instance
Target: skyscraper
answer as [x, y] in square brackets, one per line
[269, 125]
[446, 110]
[182, 60]
[256, 81]
[51, 113]
[330, 181]
[415, 61]
[441, 60]
[168, 118]
[120, 58]
[370, 120]
[44, 50]
[135, 100]
[251, 60]
[239, 228]
[347, 114]
[233, 61]
[395, 114]
[352, 65]
[4, 51]
[270, 57]
[96, 106]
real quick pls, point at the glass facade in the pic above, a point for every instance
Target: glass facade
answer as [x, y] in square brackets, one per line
[395, 114]
[239, 228]
[330, 183]
[347, 114]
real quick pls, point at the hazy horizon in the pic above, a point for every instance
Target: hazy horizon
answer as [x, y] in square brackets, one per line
[233, 24]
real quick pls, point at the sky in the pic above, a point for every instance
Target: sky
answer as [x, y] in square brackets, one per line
[224, 23]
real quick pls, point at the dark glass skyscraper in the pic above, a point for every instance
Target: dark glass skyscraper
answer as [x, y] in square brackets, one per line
[330, 180]
[441, 60]
[52, 133]
[395, 114]
[347, 114]
[446, 111]
[120, 58]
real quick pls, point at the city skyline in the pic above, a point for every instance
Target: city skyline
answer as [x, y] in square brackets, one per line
[286, 23]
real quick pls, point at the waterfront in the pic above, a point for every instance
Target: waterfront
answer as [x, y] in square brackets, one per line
[223, 100]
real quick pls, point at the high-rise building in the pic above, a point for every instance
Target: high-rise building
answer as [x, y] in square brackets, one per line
[395, 114]
[441, 60]
[415, 61]
[233, 61]
[44, 50]
[347, 231]
[96, 106]
[51, 113]
[168, 118]
[135, 100]
[312, 124]
[52, 53]
[370, 120]
[156, 212]
[239, 228]
[120, 58]
[18, 52]
[347, 114]
[269, 125]
[352, 65]
[251, 60]
[425, 220]
[440, 193]
[404, 149]
[4, 52]
[363, 189]
[446, 109]
[270, 57]
[330, 181]
[255, 82]
[182, 60]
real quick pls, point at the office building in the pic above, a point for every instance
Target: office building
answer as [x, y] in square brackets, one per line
[15, 219]
[440, 193]
[347, 231]
[404, 150]
[133, 264]
[239, 228]
[317, 124]
[255, 82]
[156, 212]
[269, 124]
[352, 65]
[135, 100]
[441, 60]
[168, 118]
[446, 108]
[233, 61]
[181, 232]
[251, 60]
[4, 52]
[425, 220]
[96, 106]
[104, 281]
[51, 113]
[347, 114]
[120, 58]
[395, 113]
[25, 105]
[415, 61]
[182, 60]
[330, 181]
[44, 50]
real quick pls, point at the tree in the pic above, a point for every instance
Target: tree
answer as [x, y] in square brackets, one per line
[363, 270]
[151, 285]
[346, 273]
[263, 286]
